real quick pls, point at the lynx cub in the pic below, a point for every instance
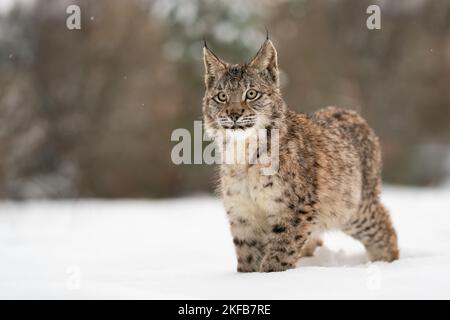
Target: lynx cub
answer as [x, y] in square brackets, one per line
[328, 177]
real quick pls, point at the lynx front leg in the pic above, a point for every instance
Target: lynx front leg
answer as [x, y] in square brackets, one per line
[249, 240]
[289, 232]
[249, 252]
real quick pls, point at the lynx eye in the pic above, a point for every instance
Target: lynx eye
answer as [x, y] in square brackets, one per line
[221, 97]
[251, 94]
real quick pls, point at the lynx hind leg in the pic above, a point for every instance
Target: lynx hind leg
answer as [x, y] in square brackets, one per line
[373, 227]
[310, 246]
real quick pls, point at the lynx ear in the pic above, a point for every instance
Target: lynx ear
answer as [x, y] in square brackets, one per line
[266, 61]
[214, 67]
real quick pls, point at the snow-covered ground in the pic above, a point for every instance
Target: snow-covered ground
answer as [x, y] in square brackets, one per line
[181, 249]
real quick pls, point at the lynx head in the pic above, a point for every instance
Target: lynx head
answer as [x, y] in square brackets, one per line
[242, 97]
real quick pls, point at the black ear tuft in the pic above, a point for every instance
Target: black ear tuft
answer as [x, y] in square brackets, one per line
[265, 61]
[214, 67]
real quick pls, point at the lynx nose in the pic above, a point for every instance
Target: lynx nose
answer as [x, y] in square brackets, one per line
[235, 114]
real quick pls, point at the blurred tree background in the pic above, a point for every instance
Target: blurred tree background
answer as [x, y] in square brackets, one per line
[89, 113]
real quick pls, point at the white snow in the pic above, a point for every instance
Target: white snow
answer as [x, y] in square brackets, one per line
[182, 249]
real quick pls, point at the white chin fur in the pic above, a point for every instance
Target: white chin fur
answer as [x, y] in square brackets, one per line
[239, 134]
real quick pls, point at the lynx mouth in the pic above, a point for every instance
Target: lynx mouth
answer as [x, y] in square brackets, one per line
[242, 123]
[239, 126]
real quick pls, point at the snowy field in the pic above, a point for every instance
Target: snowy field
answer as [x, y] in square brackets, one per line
[181, 249]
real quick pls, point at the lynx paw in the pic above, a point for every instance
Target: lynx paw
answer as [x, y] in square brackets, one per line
[311, 246]
[273, 264]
